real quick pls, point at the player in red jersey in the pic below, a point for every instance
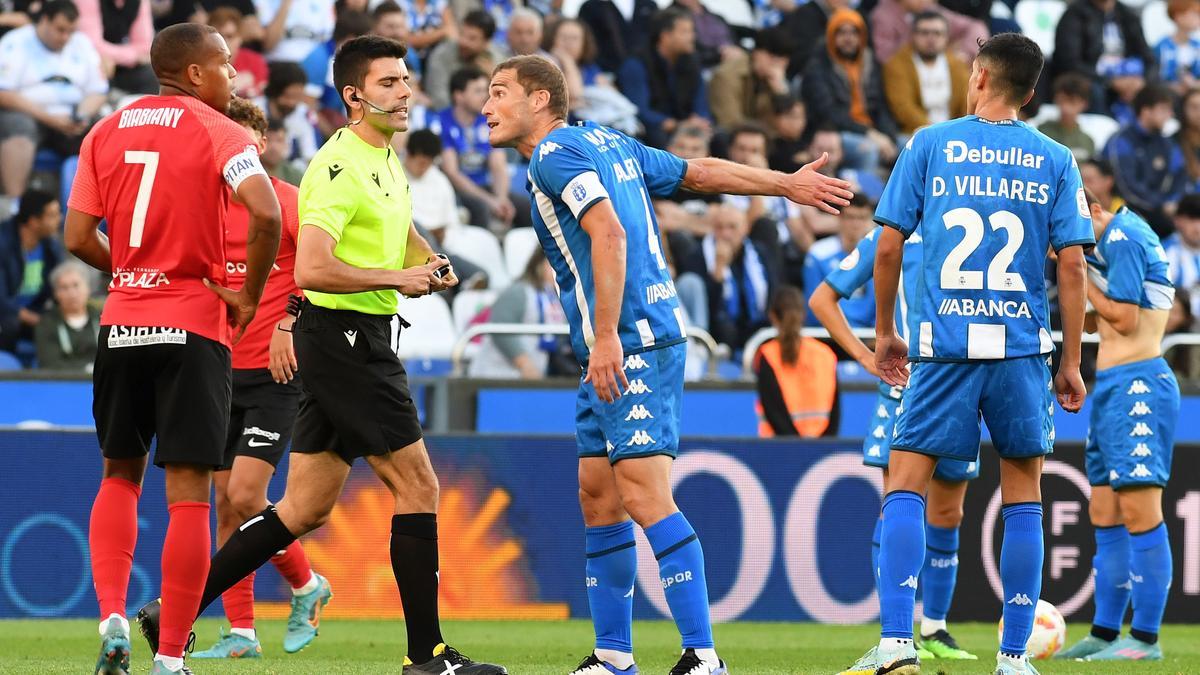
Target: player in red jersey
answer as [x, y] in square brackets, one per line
[159, 172]
[266, 398]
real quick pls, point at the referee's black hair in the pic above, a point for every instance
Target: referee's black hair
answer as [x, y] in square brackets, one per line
[353, 60]
[1014, 62]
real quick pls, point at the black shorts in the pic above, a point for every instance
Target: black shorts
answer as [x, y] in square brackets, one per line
[261, 417]
[162, 383]
[355, 400]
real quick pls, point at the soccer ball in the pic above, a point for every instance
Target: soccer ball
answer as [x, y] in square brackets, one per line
[1049, 632]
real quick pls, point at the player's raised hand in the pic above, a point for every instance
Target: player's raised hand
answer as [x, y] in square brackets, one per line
[1068, 385]
[606, 368]
[891, 360]
[810, 187]
[240, 305]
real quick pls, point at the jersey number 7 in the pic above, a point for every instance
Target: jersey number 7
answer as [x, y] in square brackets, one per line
[150, 161]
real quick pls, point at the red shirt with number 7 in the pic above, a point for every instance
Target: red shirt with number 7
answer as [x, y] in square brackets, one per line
[160, 172]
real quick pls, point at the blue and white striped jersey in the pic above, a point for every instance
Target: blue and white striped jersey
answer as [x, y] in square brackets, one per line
[573, 169]
[989, 199]
[1132, 264]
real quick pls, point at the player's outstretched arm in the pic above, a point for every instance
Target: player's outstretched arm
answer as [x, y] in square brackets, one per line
[891, 354]
[824, 304]
[807, 186]
[606, 366]
[1072, 281]
[85, 240]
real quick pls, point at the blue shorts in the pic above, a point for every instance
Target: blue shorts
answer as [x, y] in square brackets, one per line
[1132, 427]
[645, 420]
[944, 402]
[877, 444]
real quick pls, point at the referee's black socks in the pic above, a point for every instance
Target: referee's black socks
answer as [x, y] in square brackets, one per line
[248, 548]
[415, 563]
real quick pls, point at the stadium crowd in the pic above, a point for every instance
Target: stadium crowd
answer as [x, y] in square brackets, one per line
[770, 83]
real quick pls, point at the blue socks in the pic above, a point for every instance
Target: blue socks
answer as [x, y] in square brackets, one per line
[1150, 571]
[901, 556]
[611, 571]
[940, 572]
[875, 550]
[1111, 565]
[681, 568]
[1021, 557]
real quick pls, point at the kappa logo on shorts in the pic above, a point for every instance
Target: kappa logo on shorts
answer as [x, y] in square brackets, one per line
[874, 451]
[639, 413]
[1141, 429]
[971, 465]
[608, 447]
[1139, 408]
[638, 387]
[1140, 471]
[1140, 450]
[640, 438]
[1113, 475]
[882, 412]
[1138, 387]
[635, 362]
[879, 432]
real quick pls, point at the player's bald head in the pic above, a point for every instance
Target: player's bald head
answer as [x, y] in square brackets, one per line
[179, 46]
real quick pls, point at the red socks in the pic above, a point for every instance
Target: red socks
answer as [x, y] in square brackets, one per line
[239, 603]
[292, 565]
[185, 564]
[112, 536]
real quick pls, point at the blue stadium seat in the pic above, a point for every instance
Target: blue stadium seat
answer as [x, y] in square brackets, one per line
[427, 367]
[9, 361]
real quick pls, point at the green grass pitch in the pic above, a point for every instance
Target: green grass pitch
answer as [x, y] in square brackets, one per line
[543, 648]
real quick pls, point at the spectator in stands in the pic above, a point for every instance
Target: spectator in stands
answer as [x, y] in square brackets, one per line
[318, 67]
[251, 67]
[121, 31]
[739, 274]
[789, 131]
[478, 171]
[592, 93]
[743, 85]
[775, 222]
[291, 31]
[714, 38]
[924, 83]
[664, 79]
[287, 102]
[805, 24]
[530, 300]
[51, 91]
[1149, 166]
[1098, 177]
[388, 20]
[13, 14]
[66, 337]
[854, 224]
[1188, 137]
[892, 22]
[430, 22]
[1072, 93]
[683, 217]
[796, 377]
[843, 87]
[1178, 54]
[437, 208]
[1183, 250]
[1103, 41]
[274, 157]
[29, 250]
[622, 29]
[471, 48]
[524, 34]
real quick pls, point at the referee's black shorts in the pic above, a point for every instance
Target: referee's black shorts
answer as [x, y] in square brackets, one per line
[162, 383]
[261, 417]
[355, 399]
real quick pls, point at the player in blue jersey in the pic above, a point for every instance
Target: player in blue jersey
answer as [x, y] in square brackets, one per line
[592, 189]
[1134, 411]
[989, 196]
[948, 489]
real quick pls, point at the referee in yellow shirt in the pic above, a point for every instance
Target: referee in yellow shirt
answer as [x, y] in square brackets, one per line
[358, 251]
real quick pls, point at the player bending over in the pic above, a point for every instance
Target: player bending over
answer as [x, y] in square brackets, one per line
[948, 489]
[1134, 411]
[158, 171]
[989, 196]
[592, 189]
